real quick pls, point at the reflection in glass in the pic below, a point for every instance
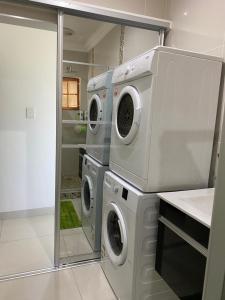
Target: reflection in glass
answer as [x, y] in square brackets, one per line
[93, 112]
[125, 115]
[91, 49]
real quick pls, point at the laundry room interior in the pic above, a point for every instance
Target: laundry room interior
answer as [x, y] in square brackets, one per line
[112, 149]
[90, 48]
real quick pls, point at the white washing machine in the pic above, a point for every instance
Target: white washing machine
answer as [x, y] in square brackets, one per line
[91, 200]
[99, 117]
[164, 113]
[129, 232]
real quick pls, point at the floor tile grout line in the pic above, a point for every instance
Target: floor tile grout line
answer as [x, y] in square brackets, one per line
[101, 272]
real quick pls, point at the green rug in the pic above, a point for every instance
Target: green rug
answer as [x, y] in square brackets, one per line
[68, 216]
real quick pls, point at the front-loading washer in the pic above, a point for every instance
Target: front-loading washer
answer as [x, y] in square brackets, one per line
[164, 113]
[99, 114]
[91, 200]
[129, 233]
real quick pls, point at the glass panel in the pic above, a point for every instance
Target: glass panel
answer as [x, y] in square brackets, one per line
[125, 115]
[27, 152]
[72, 87]
[114, 233]
[87, 199]
[65, 90]
[180, 265]
[72, 100]
[93, 113]
[115, 46]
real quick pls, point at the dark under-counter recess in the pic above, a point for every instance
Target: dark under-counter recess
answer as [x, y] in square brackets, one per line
[181, 252]
[196, 230]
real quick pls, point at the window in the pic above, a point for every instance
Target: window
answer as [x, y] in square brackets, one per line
[71, 93]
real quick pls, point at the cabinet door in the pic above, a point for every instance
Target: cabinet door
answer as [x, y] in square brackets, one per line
[180, 265]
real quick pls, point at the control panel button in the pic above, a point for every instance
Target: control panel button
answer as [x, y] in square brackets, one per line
[115, 189]
[127, 71]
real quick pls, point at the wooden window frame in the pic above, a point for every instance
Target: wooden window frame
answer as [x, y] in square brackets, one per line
[76, 79]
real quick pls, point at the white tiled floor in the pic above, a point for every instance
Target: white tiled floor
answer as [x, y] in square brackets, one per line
[92, 283]
[25, 228]
[85, 282]
[74, 242]
[26, 244]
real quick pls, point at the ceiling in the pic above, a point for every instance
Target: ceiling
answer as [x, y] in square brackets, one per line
[82, 33]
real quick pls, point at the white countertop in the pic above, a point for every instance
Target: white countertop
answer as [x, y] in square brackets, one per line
[197, 204]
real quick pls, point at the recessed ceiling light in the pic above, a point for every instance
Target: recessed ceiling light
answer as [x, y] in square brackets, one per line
[68, 31]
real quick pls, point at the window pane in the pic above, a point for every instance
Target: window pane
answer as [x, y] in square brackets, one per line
[64, 101]
[65, 87]
[72, 87]
[72, 99]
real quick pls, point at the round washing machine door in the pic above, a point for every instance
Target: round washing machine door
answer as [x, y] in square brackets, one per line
[87, 196]
[115, 235]
[94, 113]
[128, 114]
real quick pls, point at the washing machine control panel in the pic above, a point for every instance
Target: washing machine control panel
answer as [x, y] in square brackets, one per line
[115, 189]
[100, 82]
[134, 68]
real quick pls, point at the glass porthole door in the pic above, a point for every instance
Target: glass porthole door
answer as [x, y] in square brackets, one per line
[87, 196]
[128, 113]
[115, 235]
[94, 113]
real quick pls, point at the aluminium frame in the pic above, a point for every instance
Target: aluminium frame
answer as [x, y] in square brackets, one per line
[102, 14]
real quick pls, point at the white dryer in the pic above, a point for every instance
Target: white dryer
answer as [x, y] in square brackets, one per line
[129, 233]
[99, 117]
[164, 113]
[91, 200]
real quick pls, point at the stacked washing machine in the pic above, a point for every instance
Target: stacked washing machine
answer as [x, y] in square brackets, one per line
[96, 162]
[164, 113]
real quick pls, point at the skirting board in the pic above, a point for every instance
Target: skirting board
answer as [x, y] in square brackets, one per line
[27, 213]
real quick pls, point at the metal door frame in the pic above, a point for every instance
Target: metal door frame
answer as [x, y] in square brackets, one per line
[101, 14]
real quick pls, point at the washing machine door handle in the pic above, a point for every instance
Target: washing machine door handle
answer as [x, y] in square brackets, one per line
[116, 258]
[137, 108]
[121, 231]
[89, 181]
[85, 210]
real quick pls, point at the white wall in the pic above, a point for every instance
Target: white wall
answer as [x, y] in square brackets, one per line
[27, 146]
[106, 52]
[136, 41]
[197, 25]
[154, 8]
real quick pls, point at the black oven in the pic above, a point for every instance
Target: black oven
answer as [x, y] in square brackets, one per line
[181, 252]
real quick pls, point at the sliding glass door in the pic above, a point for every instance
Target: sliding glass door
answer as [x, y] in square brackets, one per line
[28, 54]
